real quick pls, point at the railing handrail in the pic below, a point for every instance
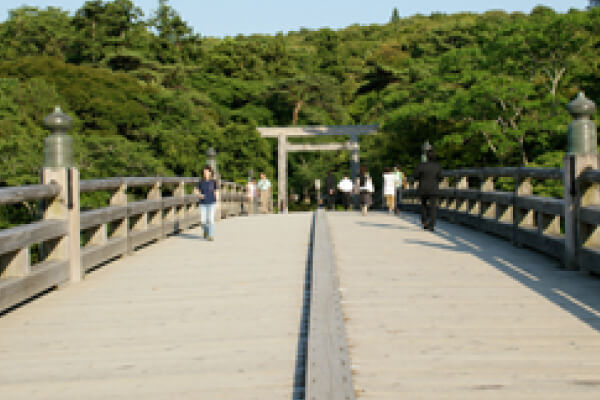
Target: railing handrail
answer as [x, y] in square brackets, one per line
[514, 172]
[88, 238]
[565, 227]
[18, 194]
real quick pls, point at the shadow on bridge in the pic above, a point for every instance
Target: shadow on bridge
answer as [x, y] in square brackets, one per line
[571, 290]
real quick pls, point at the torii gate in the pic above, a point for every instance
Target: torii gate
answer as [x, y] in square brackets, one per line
[283, 147]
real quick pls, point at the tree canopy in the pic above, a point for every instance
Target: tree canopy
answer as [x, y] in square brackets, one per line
[149, 95]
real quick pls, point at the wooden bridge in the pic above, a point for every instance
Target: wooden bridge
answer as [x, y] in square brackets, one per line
[127, 300]
[452, 314]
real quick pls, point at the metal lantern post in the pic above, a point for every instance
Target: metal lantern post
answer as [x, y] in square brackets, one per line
[582, 154]
[58, 147]
[426, 148]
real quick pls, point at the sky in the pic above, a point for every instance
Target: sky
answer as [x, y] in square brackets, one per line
[231, 17]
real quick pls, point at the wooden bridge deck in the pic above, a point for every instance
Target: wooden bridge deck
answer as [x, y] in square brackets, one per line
[182, 319]
[454, 314]
[457, 314]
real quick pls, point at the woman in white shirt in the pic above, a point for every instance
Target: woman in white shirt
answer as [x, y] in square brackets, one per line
[389, 189]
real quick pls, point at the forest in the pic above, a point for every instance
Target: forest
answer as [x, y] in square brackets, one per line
[149, 95]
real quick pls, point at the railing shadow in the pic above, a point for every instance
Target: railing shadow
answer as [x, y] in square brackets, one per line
[575, 292]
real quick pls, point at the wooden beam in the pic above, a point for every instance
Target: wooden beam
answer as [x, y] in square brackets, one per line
[322, 130]
[318, 147]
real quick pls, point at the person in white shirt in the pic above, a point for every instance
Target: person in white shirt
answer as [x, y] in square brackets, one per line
[389, 189]
[345, 188]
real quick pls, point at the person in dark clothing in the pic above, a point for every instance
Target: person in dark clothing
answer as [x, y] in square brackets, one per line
[429, 174]
[207, 189]
[330, 184]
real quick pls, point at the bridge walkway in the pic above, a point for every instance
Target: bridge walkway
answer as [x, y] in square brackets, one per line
[181, 319]
[457, 314]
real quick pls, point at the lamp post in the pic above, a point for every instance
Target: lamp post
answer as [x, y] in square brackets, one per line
[211, 160]
[426, 148]
[583, 138]
[58, 146]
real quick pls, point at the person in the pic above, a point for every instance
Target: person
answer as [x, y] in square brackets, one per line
[366, 189]
[252, 194]
[345, 188]
[429, 174]
[330, 187]
[399, 182]
[264, 194]
[389, 189]
[208, 188]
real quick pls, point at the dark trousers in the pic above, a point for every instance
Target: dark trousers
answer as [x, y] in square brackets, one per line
[331, 201]
[428, 211]
[347, 198]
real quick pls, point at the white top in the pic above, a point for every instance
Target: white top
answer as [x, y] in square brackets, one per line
[389, 183]
[368, 185]
[345, 185]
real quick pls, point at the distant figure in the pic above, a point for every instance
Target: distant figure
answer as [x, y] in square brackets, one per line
[389, 189]
[428, 174]
[345, 188]
[330, 187]
[399, 183]
[208, 188]
[252, 194]
[366, 190]
[264, 194]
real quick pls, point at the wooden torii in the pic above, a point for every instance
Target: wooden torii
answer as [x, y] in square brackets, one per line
[283, 148]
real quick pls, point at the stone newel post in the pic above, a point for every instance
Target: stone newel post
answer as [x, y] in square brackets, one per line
[582, 154]
[59, 168]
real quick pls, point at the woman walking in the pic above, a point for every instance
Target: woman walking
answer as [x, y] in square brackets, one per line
[208, 188]
[366, 190]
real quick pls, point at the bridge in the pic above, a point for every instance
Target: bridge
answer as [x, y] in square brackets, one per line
[128, 300]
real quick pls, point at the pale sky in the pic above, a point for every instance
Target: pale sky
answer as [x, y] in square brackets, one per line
[231, 17]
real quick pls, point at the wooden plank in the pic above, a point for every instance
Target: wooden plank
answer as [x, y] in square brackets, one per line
[328, 372]
[18, 194]
[102, 216]
[25, 235]
[43, 277]
[94, 255]
[590, 215]
[592, 175]
[546, 205]
[503, 198]
[322, 130]
[536, 173]
[140, 238]
[173, 201]
[141, 181]
[140, 207]
[317, 147]
[92, 185]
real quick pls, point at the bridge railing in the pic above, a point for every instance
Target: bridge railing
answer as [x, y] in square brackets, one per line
[473, 197]
[69, 242]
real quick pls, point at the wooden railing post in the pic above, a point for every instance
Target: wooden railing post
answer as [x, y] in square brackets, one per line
[524, 218]
[590, 196]
[58, 168]
[582, 154]
[120, 227]
[462, 203]
[179, 213]
[488, 209]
